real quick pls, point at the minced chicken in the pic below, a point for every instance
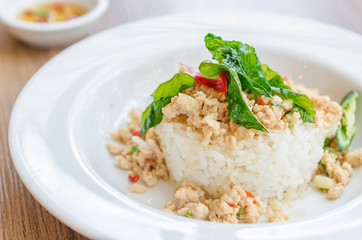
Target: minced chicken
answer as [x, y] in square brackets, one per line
[237, 206]
[205, 110]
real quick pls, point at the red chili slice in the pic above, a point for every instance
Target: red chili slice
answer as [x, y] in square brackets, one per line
[219, 83]
[222, 76]
[137, 133]
[133, 177]
[261, 102]
[248, 194]
[334, 142]
[233, 205]
[149, 161]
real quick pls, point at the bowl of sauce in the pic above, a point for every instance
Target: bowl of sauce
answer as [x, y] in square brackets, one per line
[49, 23]
[52, 12]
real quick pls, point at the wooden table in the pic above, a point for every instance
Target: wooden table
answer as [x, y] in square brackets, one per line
[21, 216]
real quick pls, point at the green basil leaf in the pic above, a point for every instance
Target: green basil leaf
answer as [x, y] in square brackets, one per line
[327, 142]
[162, 96]
[331, 150]
[243, 59]
[240, 212]
[301, 100]
[174, 86]
[189, 214]
[305, 115]
[239, 111]
[153, 115]
[304, 105]
[277, 105]
[211, 70]
[324, 168]
[134, 149]
[274, 79]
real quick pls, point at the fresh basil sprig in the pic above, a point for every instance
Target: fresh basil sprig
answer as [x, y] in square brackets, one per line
[239, 111]
[242, 59]
[302, 103]
[247, 73]
[161, 97]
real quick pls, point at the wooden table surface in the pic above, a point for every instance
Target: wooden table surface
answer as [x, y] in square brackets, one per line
[21, 216]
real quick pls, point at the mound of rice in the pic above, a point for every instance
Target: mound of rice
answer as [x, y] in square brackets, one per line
[266, 165]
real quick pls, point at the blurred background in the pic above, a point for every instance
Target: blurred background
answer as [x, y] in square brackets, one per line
[21, 217]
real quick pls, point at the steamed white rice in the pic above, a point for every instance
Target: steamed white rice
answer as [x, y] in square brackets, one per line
[266, 165]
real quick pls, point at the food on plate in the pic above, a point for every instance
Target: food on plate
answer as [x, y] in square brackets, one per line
[236, 206]
[335, 166]
[142, 155]
[137, 188]
[52, 12]
[234, 129]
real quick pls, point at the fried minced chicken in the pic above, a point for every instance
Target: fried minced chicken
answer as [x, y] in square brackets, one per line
[143, 156]
[236, 206]
[338, 165]
[205, 109]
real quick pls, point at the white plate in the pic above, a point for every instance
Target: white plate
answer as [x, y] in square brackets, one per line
[61, 120]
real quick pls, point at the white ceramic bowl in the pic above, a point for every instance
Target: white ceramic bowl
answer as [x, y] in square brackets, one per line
[61, 121]
[47, 35]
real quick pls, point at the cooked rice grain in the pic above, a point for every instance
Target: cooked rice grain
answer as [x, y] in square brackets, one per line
[266, 165]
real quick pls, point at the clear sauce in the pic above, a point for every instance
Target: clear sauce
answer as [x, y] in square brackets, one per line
[52, 12]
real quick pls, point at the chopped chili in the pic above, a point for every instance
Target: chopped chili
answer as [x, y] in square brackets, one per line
[333, 142]
[261, 102]
[134, 149]
[248, 194]
[149, 161]
[219, 83]
[133, 177]
[137, 133]
[233, 205]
